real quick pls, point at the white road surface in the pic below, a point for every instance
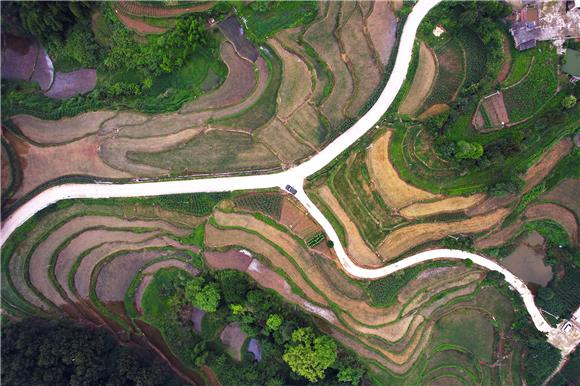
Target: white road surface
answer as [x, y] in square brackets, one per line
[295, 177]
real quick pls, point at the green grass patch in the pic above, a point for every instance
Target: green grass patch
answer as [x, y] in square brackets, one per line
[196, 237]
[315, 240]
[521, 61]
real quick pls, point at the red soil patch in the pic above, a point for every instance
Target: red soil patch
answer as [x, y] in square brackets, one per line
[233, 337]
[297, 219]
[212, 379]
[68, 84]
[544, 166]
[137, 25]
[496, 111]
[558, 214]
[232, 259]
[506, 66]
[137, 8]
[239, 83]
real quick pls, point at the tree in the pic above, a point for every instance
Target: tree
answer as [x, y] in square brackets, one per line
[330, 244]
[205, 297]
[468, 150]
[310, 355]
[468, 263]
[274, 322]
[351, 375]
[569, 102]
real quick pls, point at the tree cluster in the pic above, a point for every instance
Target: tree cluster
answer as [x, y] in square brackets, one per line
[55, 352]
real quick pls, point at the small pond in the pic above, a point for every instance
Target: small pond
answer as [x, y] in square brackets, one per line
[527, 260]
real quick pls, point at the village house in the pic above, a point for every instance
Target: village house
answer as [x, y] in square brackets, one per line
[536, 21]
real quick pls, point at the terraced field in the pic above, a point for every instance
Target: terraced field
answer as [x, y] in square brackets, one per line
[257, 119]
[96, 261]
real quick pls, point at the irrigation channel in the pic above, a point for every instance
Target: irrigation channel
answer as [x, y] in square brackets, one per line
[296, 177]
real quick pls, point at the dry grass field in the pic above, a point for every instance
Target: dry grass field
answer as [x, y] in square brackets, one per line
[446, 205]
[422, 82]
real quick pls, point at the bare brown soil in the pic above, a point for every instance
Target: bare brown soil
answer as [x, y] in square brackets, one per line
[304, 122]
[357, 248]
[297, 219]
[217, 238]
[405, 238]
[558, 214]
[42, 164]
[361, 61]
[88, 263]
[544, 166]
[85, 241]
[494, 105]
[433, 110]
[382, 28]
[396, 192]
[446, 205]
[320, 36]
[138, 25]
[498, 238]
[40, 258]
[566, 194]
[62, 130]
[422, 82]
[507, 63]
[296, 87]
[232, 259]
[212, 379]
[240, 82]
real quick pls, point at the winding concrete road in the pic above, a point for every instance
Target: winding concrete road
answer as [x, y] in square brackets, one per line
[295, 177]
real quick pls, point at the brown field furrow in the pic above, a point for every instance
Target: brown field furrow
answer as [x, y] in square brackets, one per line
[114, 151]
[364, 312]
[62, 130]
[116, 276]
[217, 238]
[558, 214]
[566, 194]
[296, 86]
[430, 278]
[84, 242]
[366, 74]
[41, 256]
[297, 219]
[138, 25]
[42, 164]
[320, 35]
[446, 205]
[405, 238]
[507, 62]
[281, 142]
[498, 238]
[391, 332]
[382, 28]
[240, 82]
[544, 166]
[433, 110]
[232, 259]
[396, 192]
[124, 118]
[140, 9]
[357, 248]
[83, 274]
[422, 82]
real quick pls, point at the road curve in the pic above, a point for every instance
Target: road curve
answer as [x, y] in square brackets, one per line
[295, 177]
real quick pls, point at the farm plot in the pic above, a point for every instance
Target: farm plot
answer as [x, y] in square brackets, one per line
[7, 170]
[450, 74]
[405, 238]
[214, 151]
[232, 29]
[382, 29]
[62, 130]
[526, 97]
[306, 123]
[282, 142]
[233, 337]
[395, 191]
[446, 205]
[294, 89]
[320, 35]
[422, 82]
[492, 113]
[239, 83]
[475, 55]
[558, 214]
[268, 203]
[361, 59]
